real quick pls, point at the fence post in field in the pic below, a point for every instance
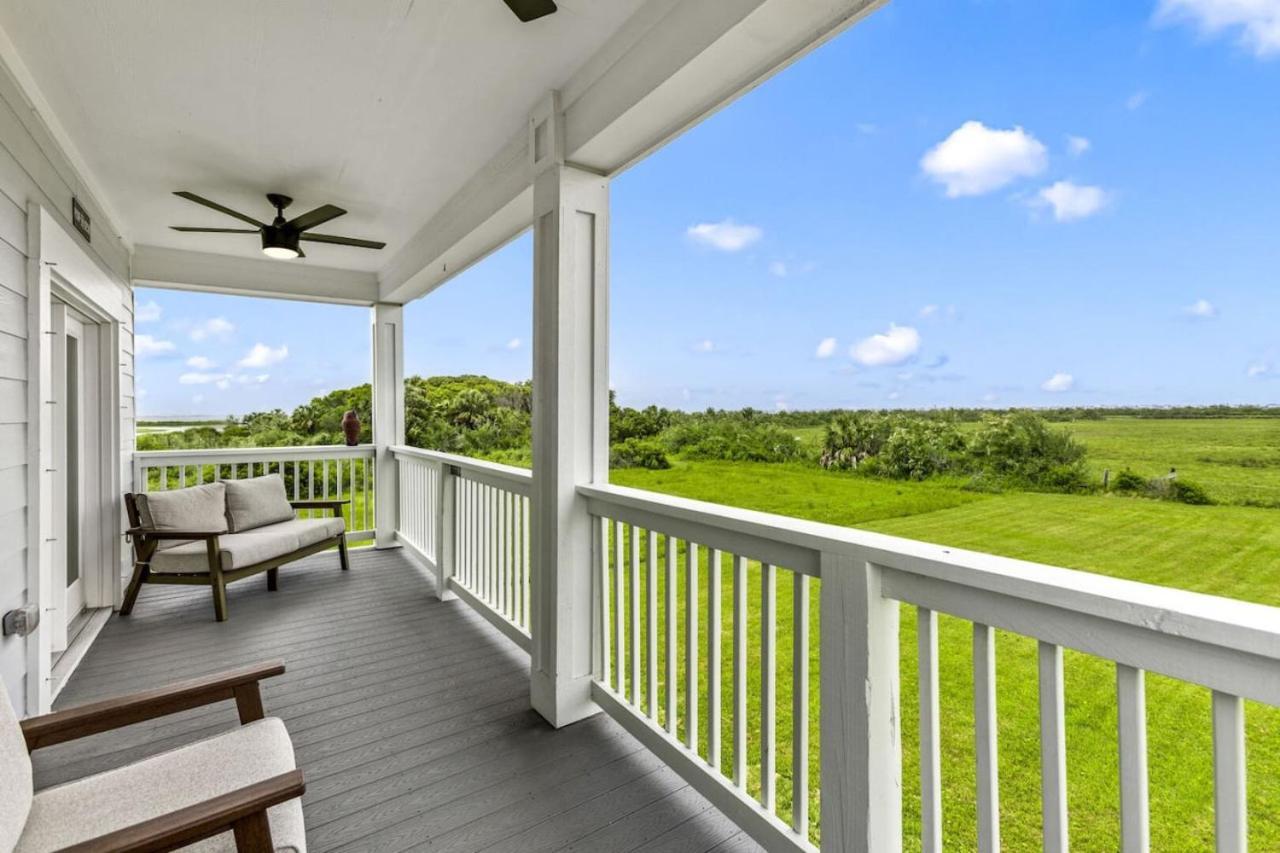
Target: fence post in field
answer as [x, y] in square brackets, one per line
[861, 740]
[570, 414]
[388, 417]
[445, 522]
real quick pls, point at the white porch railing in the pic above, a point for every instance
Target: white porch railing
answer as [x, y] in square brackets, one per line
[647, 540]
[326, 471]
[667, 651]
[469, 521]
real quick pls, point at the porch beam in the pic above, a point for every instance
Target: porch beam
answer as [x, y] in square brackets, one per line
[570, 416]
[670, 65]
[388, 417]
[180, 269]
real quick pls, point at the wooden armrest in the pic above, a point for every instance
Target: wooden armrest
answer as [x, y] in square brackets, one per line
[335, 505]
[148, 533]
[81, 721]
[243, 810]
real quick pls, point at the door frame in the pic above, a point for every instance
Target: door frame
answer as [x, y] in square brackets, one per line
[58, 266]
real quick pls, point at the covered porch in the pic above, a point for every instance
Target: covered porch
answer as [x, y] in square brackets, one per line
[525, 659]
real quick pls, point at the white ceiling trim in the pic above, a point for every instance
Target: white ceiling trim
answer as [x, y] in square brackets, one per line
[181, 269]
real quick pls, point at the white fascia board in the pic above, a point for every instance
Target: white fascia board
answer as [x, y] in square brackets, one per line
[180, 269]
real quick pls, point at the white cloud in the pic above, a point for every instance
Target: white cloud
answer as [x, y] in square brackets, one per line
[892, 347]
[976, 159]
[778, 268]
[202, 378]
[514, 343]
[727, 236]
[147, 312]
[1072, 201]
[215, 327]
[1059, 382]
[1077, 145]
[826, 348]
[200, 362]
[145, 345]
[1201, 309]
[928, 311]
[261, 377]
[261, 355]
[1262, 370]
[704, 346]
[1258, 21]
[866, 128]
[1136, 100]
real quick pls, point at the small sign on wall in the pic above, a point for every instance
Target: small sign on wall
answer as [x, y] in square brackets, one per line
[80, 218]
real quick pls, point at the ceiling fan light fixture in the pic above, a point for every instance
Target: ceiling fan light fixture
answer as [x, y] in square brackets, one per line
[280, 243]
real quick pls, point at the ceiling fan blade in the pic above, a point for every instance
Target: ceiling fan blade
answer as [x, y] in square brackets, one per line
[190, 196]
[214, 230]
[319, 216]
[531, 10]
[342, 241]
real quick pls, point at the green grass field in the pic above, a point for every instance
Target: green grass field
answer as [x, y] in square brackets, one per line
[1223, 550]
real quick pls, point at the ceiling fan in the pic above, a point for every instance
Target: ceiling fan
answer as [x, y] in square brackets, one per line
[531, 10]
[280, 239]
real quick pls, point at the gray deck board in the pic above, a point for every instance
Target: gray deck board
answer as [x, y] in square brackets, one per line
[410, 719]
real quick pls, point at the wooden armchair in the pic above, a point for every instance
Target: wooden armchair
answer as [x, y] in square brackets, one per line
[213, 793]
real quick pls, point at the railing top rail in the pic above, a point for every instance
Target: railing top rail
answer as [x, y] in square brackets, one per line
[1225, 622]
[227, 455]
[494, 470]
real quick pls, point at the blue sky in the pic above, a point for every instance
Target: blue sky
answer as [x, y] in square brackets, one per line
[984, 203]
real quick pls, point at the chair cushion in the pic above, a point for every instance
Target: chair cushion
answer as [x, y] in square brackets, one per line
[238, 551]
[86, 808]
[193, 508]
[256, 502]
[310, 530]
[15, 775]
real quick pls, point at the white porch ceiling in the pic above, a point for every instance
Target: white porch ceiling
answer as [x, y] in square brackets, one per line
[383, 107]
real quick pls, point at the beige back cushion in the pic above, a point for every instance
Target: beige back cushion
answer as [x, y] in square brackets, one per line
[200, 508]
[256, 502]
[15, 775]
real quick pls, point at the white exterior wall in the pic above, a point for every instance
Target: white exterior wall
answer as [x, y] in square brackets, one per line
[33, 170]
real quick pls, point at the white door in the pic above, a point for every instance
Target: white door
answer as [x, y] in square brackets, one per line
[75, 427]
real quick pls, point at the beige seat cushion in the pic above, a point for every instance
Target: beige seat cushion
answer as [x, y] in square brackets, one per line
[86, 808]
[310, 530]
[202, 508]
[256, 502]
[238, 551]
[15, 775]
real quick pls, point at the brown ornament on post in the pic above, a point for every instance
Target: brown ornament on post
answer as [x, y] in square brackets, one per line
[351, 427]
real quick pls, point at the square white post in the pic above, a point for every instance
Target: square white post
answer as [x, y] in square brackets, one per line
[570, 415]
[388, 417]
[861, 738]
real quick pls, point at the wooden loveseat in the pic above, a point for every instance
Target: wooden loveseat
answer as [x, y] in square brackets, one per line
[221, 532]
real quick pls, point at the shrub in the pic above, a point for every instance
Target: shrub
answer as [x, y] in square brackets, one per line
[851, 438]
[638, 453]
[917, 449]
[734, 440]
[1022, 447]
[1188, 492]
[1128, 482]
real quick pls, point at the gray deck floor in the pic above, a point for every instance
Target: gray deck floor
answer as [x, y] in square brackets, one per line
[410, 719]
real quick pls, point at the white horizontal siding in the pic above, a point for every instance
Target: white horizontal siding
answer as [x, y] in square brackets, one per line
[34, 170]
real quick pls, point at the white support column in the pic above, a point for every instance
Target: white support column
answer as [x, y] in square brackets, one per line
[388, 416]
[861, 744]
[570, 414]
